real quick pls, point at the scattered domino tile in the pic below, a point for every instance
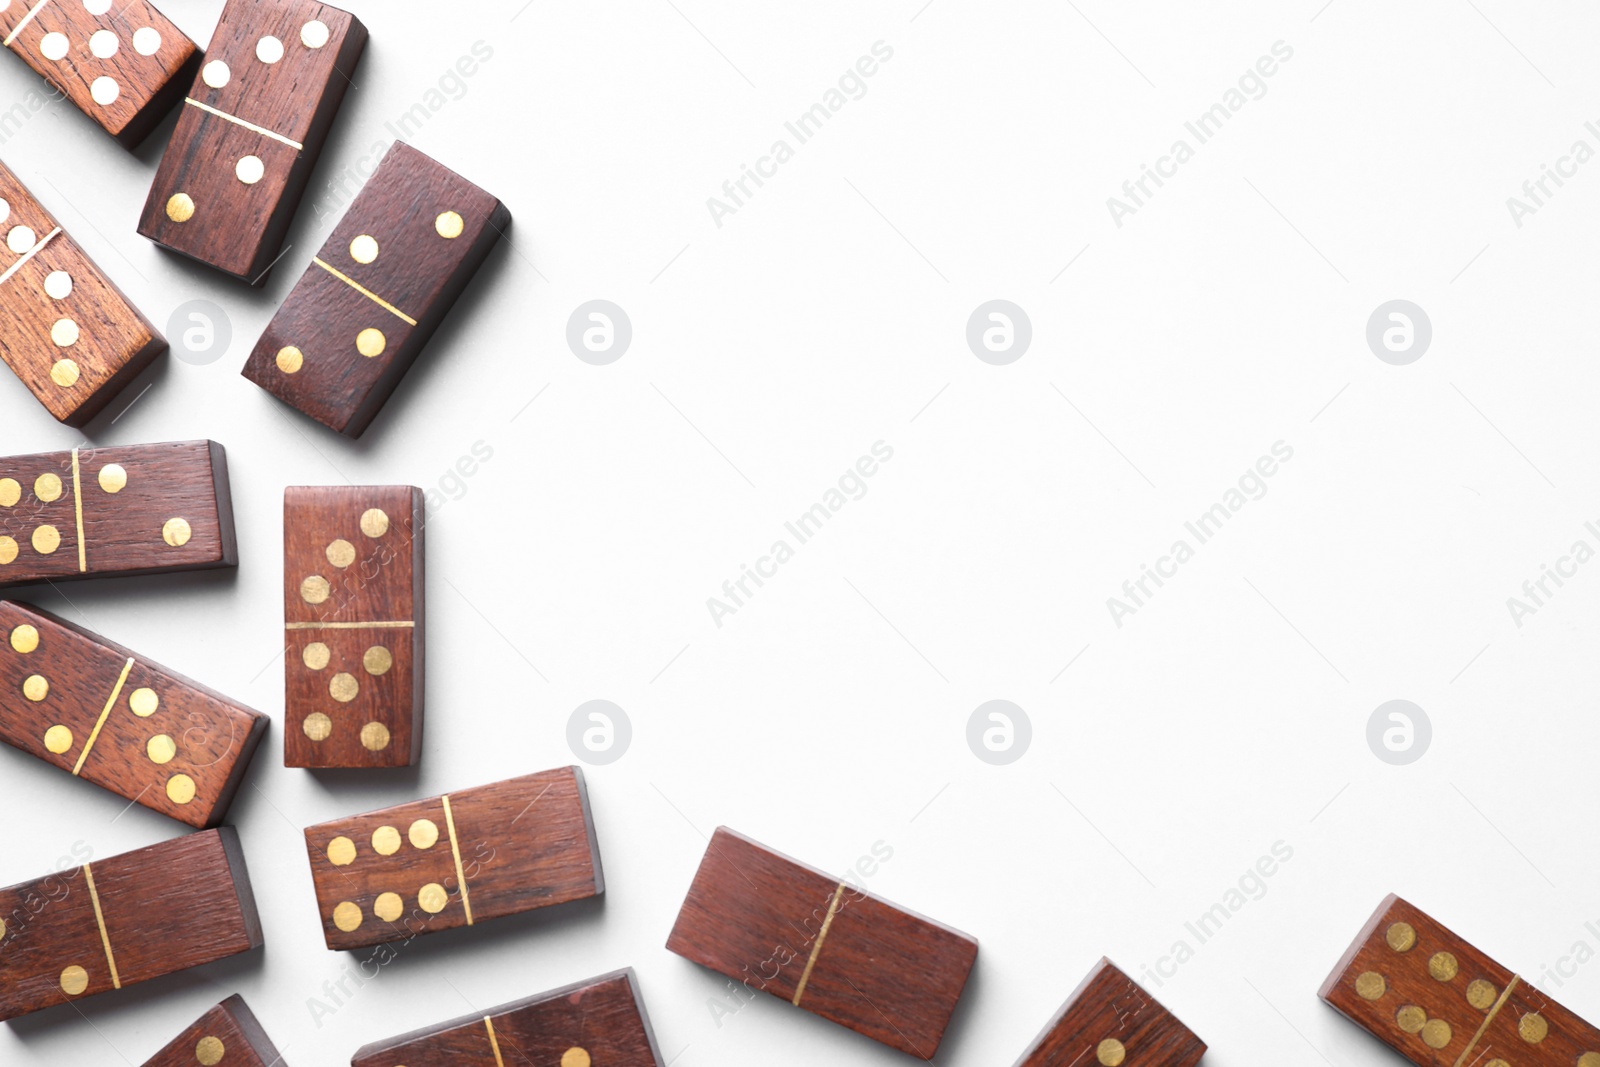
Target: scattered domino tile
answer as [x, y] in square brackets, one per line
[353, 597]
[1110, 1021]
[598, 1023]
[831, 949]
[250, 132]
[94, 709]
[122, 62]
[455, 860]
[384, 281]
[130, 509]
[228, 1035]
[1436, 999]
[116, 922]
[68, 332]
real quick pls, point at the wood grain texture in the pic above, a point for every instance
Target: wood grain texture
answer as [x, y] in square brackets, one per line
[1441, 1002]
[170, 511]
[762, 919]
[229, 1031]
[353, 591]
[163, 909]
[516, 845]
[74, 350]
[1110, 1021]
[237, 226]
[119, 721]
[308, 357]
[601, 1022]
[131, 57]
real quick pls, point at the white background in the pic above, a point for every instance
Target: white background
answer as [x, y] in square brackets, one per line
[830, 313]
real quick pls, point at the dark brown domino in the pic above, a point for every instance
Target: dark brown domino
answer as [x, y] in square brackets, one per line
[1108, 1020]
[455, 860]
[131, 509]
[783, 928]
[352, 604]
[228, 1035]
[598, 1023]
[1438, 1001]
[113, 923]
[101, 713]
[122, 62]
[66, 330]
[384, 281]
[250, 132]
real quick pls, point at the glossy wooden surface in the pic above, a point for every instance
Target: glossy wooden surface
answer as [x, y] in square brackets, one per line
[144, 509]
[353, 594]
[762, 919]
[517, 845]
[389, 244]
[601, 1022]
[1110, 1021]
[236, 226]
[74, 350]
[163, 909]
[1439, 1001]
[226, 1036]
[119, 721]
[125, 69]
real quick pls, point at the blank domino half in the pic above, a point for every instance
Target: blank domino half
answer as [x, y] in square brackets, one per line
[797, 933]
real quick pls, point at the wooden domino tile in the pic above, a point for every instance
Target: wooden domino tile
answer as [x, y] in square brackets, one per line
[1110, 1021]
[782, 928]
[68, 332]
[250, 132]
[1437, 1000]
[122, 62]
[598, 1023]
[99, 712]
[353, 595]
[384, 281]
[455, 860]
[228, 1035]
[133, 509]
[116, 922]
